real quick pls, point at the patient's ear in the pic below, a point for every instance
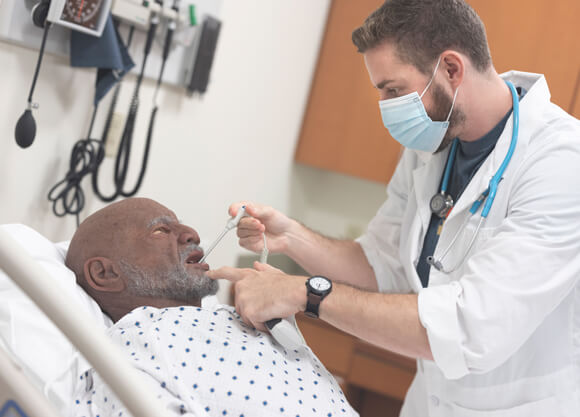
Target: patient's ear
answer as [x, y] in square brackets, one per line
[102, 274]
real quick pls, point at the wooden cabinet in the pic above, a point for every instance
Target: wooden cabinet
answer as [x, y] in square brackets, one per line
[342, 130]
[576, 99]
[536, 36]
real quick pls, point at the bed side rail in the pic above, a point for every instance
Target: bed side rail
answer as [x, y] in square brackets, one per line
[93, 343]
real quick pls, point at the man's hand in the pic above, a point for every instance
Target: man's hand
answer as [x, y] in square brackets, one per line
[263, 218]
[264, 293]
[340, 260]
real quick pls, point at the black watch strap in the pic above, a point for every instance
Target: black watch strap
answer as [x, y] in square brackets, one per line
[317, 288]
[312, 305]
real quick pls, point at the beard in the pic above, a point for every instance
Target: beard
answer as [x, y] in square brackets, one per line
[174, 282]
[442, 103]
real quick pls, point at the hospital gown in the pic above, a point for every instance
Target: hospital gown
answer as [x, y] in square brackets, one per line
[208, 362]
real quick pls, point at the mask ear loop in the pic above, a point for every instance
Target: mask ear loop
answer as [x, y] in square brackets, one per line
[452, 104]
[431, 82]
[432, 78]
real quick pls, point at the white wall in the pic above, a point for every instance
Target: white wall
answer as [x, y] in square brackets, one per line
[236, 142]
[333, 204]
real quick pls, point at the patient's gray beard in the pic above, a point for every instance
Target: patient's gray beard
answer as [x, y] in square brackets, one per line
[179, 284]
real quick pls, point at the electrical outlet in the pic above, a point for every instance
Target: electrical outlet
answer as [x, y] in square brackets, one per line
[115, 132]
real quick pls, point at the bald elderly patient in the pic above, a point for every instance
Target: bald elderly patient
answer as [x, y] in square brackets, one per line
[142, 266]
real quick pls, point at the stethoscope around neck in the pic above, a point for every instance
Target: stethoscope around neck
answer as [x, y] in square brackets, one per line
[442, 203]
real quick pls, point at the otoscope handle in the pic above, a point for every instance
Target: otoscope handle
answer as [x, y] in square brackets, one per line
[271, 323]
[168, 40]
[151, 33]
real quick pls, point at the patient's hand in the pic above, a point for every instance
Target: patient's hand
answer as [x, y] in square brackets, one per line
[263, 218]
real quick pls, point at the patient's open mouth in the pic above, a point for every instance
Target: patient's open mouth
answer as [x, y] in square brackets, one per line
[194, 257]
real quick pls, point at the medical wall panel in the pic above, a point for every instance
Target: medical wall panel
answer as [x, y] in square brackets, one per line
[342, 129]
[536, 36]
[16, 27]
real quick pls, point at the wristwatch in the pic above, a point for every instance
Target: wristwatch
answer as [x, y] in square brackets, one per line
[317, 287]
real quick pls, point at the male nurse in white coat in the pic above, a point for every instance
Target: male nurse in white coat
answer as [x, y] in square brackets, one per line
[472, 264]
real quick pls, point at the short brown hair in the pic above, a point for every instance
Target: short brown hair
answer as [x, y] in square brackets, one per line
[422, 29]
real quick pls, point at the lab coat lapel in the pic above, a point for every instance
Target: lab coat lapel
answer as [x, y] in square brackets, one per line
[426, 180]
[538, 91]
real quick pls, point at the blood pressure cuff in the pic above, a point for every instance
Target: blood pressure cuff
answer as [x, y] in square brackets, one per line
[107, 53]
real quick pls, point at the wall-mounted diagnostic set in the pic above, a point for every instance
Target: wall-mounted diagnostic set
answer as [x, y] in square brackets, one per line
[173, 40]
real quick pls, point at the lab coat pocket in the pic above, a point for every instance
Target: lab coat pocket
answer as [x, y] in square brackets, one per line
[542, 408]
[469, 240]
[481, 236]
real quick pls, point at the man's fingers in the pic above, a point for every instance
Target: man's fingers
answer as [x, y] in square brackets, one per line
[242, 312]
[226, 272]
[261, 327]
[254, 244]
[250, 226]
[251, 209]
[256, 325]
[254, 211]
[233, 209]
[265, 267]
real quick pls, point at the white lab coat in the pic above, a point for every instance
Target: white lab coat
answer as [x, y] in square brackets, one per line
[504, 329]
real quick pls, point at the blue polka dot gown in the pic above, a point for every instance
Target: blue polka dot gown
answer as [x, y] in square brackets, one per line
[208, 362]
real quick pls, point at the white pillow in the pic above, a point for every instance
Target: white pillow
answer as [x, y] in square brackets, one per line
[49, 360]
[45, 354]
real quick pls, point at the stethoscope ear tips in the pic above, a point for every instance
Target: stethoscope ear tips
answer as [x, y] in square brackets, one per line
[25, 130]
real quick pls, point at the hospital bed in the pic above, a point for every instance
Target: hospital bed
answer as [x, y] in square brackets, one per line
[38, 365]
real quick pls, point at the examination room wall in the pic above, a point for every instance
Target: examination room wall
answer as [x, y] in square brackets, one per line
[235, 142]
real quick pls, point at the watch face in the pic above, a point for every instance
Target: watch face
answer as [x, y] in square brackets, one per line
[319, 283]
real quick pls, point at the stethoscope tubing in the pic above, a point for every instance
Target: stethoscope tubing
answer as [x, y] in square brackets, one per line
[486, 198]
[495, 180]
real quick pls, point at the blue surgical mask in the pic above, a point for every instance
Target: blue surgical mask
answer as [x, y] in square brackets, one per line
[408, 122]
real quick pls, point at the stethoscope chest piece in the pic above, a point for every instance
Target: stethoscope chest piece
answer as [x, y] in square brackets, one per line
[440, 204]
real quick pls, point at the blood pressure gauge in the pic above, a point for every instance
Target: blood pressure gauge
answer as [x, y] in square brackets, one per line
[83, 12]
[88, 16]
